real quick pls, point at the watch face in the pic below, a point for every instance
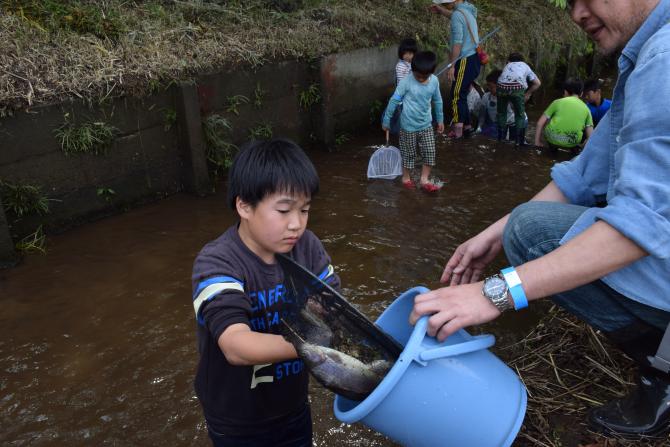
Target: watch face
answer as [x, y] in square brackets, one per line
[495, 286]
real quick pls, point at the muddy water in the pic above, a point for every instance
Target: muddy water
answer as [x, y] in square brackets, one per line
[97, 342]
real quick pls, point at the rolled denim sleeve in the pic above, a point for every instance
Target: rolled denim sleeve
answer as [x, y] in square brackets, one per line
[584, 179]
[457, 29]
[639, 200]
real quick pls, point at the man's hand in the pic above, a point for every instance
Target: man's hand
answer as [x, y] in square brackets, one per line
[440, 128]
[471, 258]
[451, 74]
[385, 129]
[453, 308]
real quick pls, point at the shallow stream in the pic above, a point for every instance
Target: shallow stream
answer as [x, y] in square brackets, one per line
[97, 342]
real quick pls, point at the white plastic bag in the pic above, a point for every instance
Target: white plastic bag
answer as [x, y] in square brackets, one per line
[385, 163]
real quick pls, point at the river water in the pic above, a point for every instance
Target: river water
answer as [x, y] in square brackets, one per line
[97, 341]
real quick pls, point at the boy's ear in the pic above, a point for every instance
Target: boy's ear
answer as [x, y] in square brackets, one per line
[244, 209]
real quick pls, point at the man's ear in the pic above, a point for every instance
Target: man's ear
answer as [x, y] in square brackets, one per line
[244, 209]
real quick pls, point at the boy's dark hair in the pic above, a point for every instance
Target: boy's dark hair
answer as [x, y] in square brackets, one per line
[574, 86]
[424, 62]
[493, 76]
[515, 57]
[407, 46]
[592, 85]
[265, 167]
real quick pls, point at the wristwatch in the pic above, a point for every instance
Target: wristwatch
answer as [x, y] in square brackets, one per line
[496, 290]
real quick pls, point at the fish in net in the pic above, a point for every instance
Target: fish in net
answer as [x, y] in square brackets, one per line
[343, 350]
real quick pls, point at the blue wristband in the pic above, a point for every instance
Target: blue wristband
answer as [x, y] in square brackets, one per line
[515, 289]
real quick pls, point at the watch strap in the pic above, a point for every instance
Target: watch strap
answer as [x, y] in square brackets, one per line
[515, 288]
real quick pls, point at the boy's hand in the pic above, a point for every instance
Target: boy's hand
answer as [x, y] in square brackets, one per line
[440, 128]
[526, 97]
[384, 128]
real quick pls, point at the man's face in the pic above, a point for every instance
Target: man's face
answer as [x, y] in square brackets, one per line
[610, 23]
[449, 6]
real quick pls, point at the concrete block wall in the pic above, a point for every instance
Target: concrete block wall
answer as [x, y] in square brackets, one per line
[150, 158]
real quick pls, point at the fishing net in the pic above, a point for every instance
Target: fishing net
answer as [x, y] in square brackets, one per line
[343, 350]
[385, 163]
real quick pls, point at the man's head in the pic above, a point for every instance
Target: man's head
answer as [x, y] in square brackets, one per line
[573, 87]
[407, 49]
[423, 65]
[592, 92]
[449, 4]
[610, 23]
[492, 81]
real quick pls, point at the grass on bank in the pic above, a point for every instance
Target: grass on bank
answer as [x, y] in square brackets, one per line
[568, 368]
[51, 50]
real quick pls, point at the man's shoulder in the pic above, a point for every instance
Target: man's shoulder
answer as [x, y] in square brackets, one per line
[658, 43]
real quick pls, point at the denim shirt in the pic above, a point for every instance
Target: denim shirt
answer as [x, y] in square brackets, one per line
[626, 164]
[459, 28]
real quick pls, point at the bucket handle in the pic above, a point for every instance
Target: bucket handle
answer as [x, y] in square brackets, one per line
[475, 343]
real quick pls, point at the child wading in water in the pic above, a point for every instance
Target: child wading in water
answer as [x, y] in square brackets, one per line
[416, 93]
[252, 386]
[513, 89]
[406, 51]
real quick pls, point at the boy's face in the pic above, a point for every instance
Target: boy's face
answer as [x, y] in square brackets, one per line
[493, 87]
[407, 56]
[275, 224]
[592, 97]
[420, 77]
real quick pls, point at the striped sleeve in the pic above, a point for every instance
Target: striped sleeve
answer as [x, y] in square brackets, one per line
[210, 288]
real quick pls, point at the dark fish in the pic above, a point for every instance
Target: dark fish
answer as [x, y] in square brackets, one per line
[339, 372]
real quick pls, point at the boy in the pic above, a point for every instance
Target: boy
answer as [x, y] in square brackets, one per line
[252, 386]
[406, 51]
[569, 119]
[416, 93]
[488, 110]
[513, 87]
[595, 101]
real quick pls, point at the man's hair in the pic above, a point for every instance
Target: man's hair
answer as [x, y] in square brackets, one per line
[424, 62]
[493, 76]
[262, 168]
[515, 57]
[592, 85]
[574, 86]
[407, 46]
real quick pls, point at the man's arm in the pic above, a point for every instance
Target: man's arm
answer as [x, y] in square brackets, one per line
[600, 250]
[441, 10]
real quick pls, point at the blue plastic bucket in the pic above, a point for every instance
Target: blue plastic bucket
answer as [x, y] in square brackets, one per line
[454, 393]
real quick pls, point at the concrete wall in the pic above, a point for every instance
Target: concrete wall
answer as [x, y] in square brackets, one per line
[351, 83]
[151, 159]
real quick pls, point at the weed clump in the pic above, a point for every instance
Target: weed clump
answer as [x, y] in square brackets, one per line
[91, 137]
[220, 151]
[22, 200]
